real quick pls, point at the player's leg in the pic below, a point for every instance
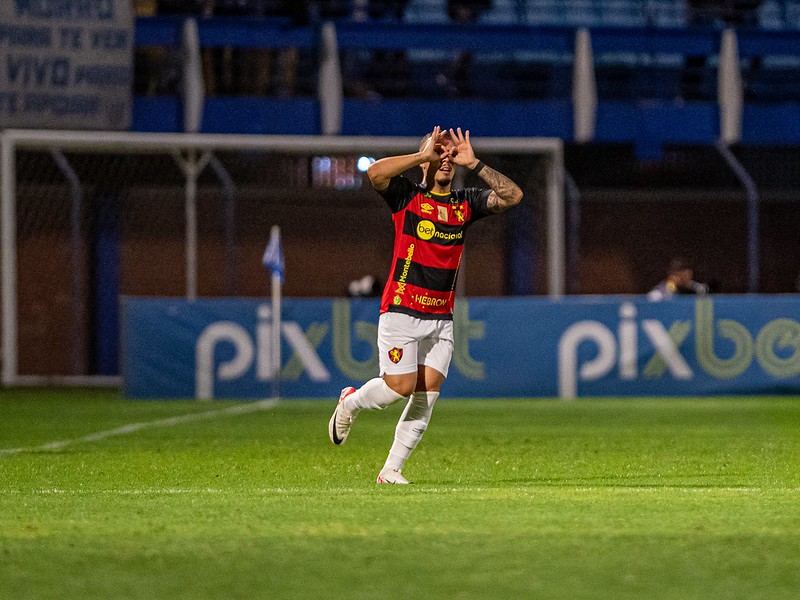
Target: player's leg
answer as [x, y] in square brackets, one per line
[412, 424]
[397, 350]
[397, 356]
[435, 354]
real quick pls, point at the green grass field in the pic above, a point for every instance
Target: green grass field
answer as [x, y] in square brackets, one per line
[612, 498]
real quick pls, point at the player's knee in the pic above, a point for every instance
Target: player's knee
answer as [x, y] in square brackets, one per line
[403, 386]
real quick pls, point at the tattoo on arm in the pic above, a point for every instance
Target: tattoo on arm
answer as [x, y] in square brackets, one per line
[505, 193]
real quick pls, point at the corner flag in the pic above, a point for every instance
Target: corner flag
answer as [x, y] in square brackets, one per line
[273, 254]
[273, 260]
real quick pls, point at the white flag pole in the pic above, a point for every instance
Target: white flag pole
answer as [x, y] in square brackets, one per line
[276, 327]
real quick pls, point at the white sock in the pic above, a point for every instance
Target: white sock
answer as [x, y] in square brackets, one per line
[373, 395]
[410, 428]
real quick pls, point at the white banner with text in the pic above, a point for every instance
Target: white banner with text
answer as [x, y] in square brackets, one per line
[66, 64]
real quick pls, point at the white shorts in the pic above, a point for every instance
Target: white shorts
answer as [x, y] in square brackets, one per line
[404, 342]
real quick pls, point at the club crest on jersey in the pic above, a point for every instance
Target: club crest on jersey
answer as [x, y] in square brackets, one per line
[441, 213]
[395, 355]
[426, 207]
[458, 211]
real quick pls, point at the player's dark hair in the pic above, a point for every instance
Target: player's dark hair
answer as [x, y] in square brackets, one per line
[678, 264]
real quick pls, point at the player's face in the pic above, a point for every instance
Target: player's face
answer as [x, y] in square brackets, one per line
[444, 169]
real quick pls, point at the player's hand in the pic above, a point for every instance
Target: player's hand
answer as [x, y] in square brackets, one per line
[462, 152]
[432, 150]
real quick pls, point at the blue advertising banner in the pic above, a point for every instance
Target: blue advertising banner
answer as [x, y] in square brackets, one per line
[66, 64]
[509, 347]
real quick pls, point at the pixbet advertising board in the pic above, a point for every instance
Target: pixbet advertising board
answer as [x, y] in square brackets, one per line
[504, 347]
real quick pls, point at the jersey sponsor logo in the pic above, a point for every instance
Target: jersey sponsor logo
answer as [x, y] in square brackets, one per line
[442, 213]
[401, 282]
[427, 230]
[395, 354]
[449, 236]
[428, 301]
[426, 207]
[432, 231]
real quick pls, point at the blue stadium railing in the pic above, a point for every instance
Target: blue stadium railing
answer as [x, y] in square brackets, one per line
[631, 54]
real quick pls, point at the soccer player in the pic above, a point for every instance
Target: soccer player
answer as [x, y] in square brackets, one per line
[415, 327]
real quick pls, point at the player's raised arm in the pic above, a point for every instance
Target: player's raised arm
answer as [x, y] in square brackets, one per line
[380, 172]
[505, 193]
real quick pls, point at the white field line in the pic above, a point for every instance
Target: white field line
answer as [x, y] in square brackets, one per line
[240, 409]
[304, 491]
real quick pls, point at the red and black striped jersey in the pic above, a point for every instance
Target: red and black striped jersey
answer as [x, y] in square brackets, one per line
[428, 243]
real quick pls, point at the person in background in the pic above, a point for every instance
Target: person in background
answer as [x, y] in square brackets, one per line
[237, 71]
[366, 287]
[680, 280]
[254, 71]
[696, 80]
[462, 12]
[385, 72]
[389, 72]
[729, 12]
[145, 8]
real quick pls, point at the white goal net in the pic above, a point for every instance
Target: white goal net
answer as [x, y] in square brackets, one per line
[90, 216]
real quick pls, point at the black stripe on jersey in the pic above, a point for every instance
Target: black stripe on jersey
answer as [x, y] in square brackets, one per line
[400, 193]
[430, 278]
[441, 234]
[420, 315]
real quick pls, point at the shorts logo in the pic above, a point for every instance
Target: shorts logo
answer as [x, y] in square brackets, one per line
[425, 230]
[395, 354]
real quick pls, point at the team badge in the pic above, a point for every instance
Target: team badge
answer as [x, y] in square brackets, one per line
[395, 354]
[459, 213]
[442, 213]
